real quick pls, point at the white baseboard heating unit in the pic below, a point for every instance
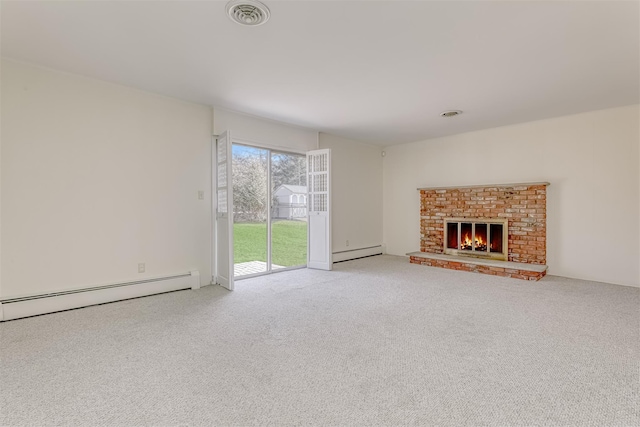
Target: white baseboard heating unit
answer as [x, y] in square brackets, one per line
[32, 305]
[358, 253]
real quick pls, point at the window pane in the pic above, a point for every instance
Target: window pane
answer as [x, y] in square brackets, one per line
[289, 209]
[250, 204]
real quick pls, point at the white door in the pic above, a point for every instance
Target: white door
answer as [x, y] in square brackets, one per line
[224, 212]
[319, 209]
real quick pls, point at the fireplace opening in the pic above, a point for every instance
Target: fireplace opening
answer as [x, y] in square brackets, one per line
[476, 237]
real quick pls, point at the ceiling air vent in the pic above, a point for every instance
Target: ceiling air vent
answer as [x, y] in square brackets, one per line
[248, 12]
[450, 113]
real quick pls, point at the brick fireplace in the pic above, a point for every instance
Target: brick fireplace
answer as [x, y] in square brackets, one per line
[493, 229]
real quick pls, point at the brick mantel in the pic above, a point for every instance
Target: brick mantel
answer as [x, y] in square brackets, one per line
[523, 205]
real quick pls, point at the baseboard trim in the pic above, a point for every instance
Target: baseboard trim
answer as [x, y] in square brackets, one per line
[357, 253]
[33, 305]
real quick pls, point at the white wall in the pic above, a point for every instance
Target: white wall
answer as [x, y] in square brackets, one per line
[590, 159]
[265, 133]
[97, 178]
[356, 170]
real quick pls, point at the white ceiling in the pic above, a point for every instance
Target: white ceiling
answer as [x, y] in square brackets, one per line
[376, 71]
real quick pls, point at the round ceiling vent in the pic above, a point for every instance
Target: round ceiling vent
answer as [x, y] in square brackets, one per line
[248, 12]
[450, 113]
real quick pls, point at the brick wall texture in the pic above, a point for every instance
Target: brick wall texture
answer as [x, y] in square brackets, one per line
[524, 206]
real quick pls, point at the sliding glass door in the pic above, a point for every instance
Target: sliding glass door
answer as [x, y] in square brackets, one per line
[269, 210]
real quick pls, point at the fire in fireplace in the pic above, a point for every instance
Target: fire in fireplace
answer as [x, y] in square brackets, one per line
[480, 237]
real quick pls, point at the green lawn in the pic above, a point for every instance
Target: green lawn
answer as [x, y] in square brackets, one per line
[289, 245]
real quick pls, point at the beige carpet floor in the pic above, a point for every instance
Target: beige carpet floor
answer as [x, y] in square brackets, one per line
[377, 341]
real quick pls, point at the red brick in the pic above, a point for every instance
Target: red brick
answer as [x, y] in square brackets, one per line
[527, 229]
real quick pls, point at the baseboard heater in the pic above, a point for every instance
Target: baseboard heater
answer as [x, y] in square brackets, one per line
[33, 305]
[357, 253]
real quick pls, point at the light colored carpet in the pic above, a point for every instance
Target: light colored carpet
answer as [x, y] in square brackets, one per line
[378, 341]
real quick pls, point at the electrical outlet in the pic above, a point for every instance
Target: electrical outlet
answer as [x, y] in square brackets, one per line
[347, 243]
[141, 267]
[200, 195]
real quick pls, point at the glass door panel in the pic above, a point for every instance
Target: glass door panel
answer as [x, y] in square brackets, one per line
[466, 236]
[496, 238]
[452, 235]
[480, 238]
[288, 210]
[250, 208]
